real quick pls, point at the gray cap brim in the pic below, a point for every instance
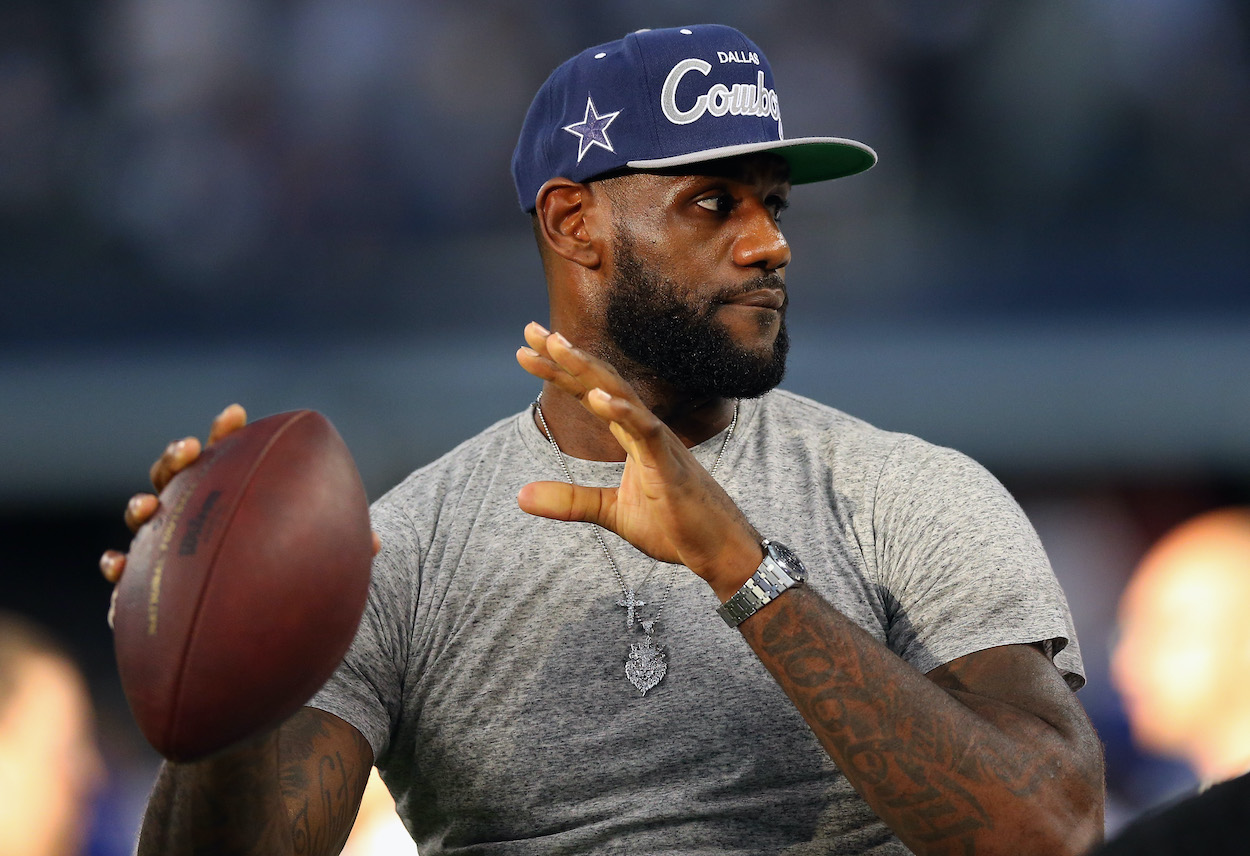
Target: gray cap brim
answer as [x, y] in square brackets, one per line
[810, 158]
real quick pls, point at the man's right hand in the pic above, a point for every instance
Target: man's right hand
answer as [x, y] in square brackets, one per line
[234, 802]
[177, 456]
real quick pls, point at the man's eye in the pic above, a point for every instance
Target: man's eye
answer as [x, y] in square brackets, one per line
[778, 206]
[721, 204]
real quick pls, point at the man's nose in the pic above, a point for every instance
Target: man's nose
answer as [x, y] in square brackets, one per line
[761, 243]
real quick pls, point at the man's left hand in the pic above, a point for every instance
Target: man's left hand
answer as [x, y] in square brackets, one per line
[667, 505]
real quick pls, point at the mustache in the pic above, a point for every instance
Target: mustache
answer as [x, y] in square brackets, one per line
[769, 280]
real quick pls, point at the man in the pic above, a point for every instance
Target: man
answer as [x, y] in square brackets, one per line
[50, 765]
[531, 686]
[1181, 664]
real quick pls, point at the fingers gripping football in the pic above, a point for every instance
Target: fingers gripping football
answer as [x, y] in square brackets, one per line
[177, 456]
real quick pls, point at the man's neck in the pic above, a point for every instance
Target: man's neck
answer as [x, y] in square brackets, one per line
[581, 434]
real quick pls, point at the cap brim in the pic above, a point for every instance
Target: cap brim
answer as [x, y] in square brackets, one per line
[810, 158]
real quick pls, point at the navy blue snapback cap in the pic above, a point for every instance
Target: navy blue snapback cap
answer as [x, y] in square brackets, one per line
[665, 98]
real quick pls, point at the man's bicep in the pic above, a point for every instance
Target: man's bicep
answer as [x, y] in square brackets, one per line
[1019, 689]
[324, 764]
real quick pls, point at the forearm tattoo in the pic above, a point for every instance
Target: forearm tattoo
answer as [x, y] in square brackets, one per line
[195, 809]
[321, 786]
[926, 763]
[298, 797]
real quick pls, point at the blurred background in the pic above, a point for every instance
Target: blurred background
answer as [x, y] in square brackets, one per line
[307, 203]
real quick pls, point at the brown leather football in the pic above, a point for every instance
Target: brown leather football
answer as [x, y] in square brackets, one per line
[242, 594]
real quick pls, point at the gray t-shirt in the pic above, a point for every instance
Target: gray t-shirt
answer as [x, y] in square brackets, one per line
[488, 673]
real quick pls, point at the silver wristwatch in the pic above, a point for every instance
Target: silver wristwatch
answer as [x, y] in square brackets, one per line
[780, 570]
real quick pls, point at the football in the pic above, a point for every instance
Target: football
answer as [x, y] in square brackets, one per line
[243, 592]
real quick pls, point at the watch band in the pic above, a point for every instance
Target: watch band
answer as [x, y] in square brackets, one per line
[780, 570]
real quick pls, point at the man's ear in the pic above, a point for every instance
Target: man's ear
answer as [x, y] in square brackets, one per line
[573, 221]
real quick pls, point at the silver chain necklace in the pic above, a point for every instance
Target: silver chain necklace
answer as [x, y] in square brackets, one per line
[646, 665]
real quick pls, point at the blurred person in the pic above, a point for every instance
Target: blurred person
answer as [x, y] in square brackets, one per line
[902, 680]
[50, 766]
[1182, 662]
[1182, 665]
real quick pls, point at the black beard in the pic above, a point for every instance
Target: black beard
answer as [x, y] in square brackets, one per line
[680, 343]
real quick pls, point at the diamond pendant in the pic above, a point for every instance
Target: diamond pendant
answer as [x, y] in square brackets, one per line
[631, 603]
[645, 667]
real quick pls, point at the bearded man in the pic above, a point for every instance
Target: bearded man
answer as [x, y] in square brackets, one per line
[545, 665]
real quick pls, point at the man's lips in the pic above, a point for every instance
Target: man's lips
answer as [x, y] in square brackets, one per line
[767, 298]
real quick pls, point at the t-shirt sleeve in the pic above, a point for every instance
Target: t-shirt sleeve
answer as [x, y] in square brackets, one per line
[961, 567]
[366, 688]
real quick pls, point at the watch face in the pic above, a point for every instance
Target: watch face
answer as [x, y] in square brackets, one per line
[787, 558]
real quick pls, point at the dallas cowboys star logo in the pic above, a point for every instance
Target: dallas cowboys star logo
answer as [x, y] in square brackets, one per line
[592, 130]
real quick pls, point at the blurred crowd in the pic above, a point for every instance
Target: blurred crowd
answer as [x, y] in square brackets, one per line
[318, 162]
